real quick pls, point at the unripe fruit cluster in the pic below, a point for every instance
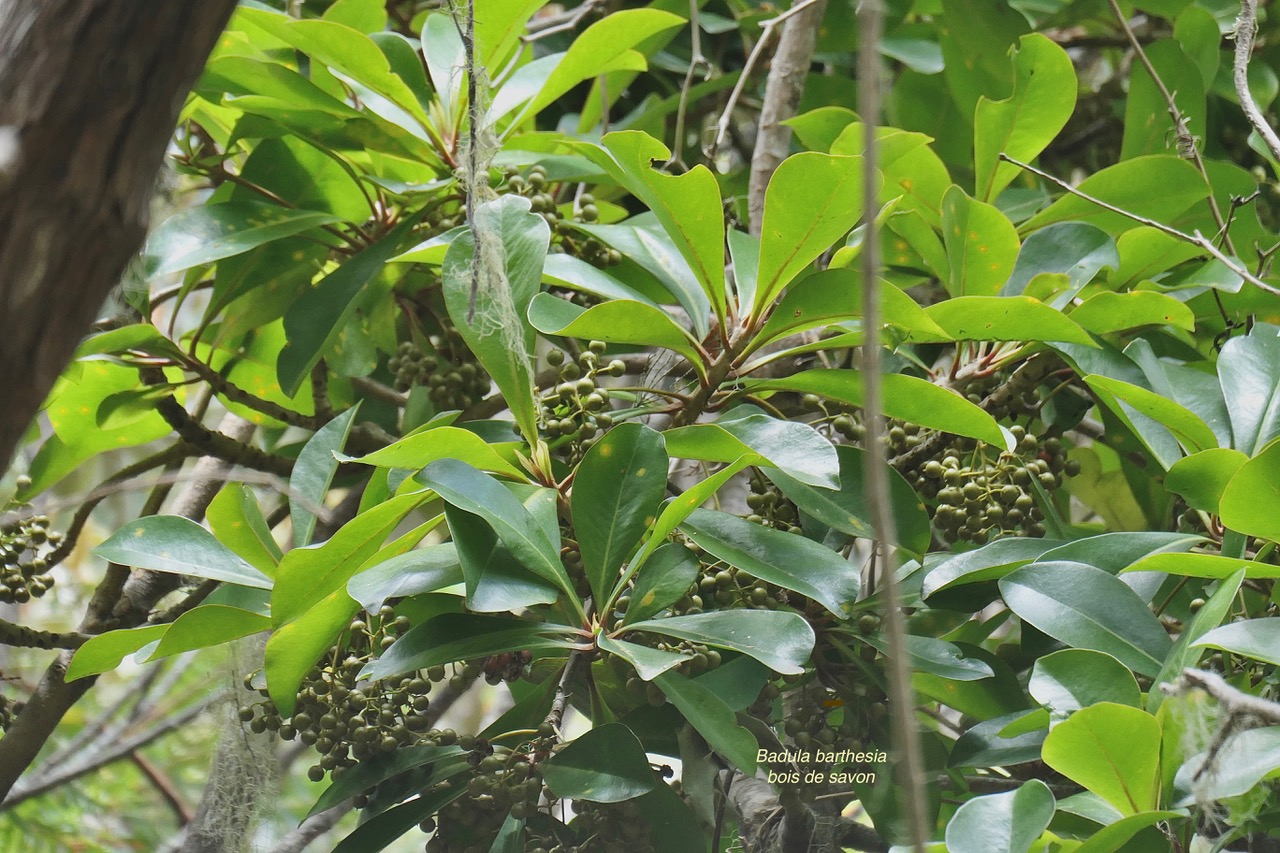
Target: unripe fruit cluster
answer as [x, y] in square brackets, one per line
[565, 238]
[25, 545]
[578, 408]
[769, 507]
[454, 379]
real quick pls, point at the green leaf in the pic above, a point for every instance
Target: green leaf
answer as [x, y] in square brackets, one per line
[605, 765]
[985, 745]
[1201, 478]
[617, 321]
[617, 490]
[678, 508]
[423, 570]
[237, 522]
[379, 831]
[441, 442]
[576, 274]
[1189, 429]
[313, 473]
[976, 39]
[1005, 318]
[812, 201]
[210, 232]
[307, 575]
[1115, 552]
[1115, 836]
[497, 331]
[1075, 249]
[1128, 186]
[314, 323]
[452, 637]
[687, 206]
[383, 766]
[835, 295]
[990, 562]
[1148, 127]
[1044, 96]
[1213, 566]
[982, 245]
[1239, 767]
[171, 543]
[1002, 823]
[662, 581]
[846, 509]
[784, 559]
[495, 580]
[939, 658]
[593, 52]
[712, 719]
[1250, 498]
[208, 625]
[104, 652]
[294, 647]
[1112, 750]
[648, 662]
[1107, 312]
[1066, 681]
[479, 494]
[1249, 371]
[781, 641]
[499, 29]
[1185, 653]
[1253, 638]
[906, 398]
[791, 446]
[1088, 608]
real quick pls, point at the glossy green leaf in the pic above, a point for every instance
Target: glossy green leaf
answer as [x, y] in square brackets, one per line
[1005, 318]
[975, 40]
[990, 562]
[985, 745]
[712, 719]
[1088, 608]
[171, 543]
[381, 767]
[423, 570]
[307, 575]
[662, 581]
[478, 493]
[315, 321]
[648, 662]
[1107, 312]
[452, 637]
[617, 490]
[605, 765]
[1253, 638]
[1044, 96]
[1002, 823]
[381, 830]
[835, 295]
[1066, 681]
[208, 625]
[210, 232]
[939, 658]
[499, 29]
[236, 521]
[982, 245]
[103, 653]
[812, 200]
[1128, 186]
[676, 510]
[1201, 478]
[576, 274]
[687, 207]
[1118, 551]
[616, 321]
[1249, 500]
[784, 559]
[295, 646]
[313, 473]
[1249, 370]
[780, 640]
[1075, 249]
[846, 509]
[1213, 566]
[1189, 429]
[495, 580]
[906, 398]
[442, 442]
[1112, 750]
[497, 330]
[794, 447]
[1185, 653]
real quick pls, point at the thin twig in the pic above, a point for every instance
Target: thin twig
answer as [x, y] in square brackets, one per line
[1195, 238]
[901, 696]
[696, 61]
[767, 27]
[1186, 142]
[1245, 31]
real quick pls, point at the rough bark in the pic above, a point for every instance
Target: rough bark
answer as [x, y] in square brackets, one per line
[92, 89]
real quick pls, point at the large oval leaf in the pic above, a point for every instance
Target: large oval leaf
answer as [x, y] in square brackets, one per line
[1066, 681]
[1254, 638]
[779, 640]
[1002, 823]
[605, 765]
[783, 559]
[1088, 608]
[1112, 750]
[794, 447]
[1005, 318]
[171, 543]
[452, 637]
[1251, 496]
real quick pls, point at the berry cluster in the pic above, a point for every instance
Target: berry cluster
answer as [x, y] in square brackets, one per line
[577, 408]
[565, 237]
[25, 546]
[610, 828]
[980, 495]
[454, 379]
[769, 507]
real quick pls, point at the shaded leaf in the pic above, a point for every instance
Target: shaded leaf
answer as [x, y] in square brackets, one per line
[171, 543]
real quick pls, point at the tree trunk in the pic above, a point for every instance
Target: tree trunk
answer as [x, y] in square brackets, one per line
[92, 90]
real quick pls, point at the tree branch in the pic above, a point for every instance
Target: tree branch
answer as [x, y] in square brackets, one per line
[1245, 31]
